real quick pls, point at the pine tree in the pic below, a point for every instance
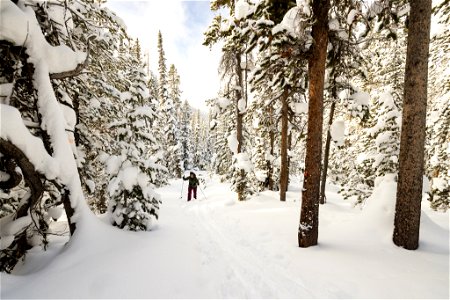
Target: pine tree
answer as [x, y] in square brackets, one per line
[162, 72]
[410, 177]
[133, 203]
[36, 152]
[176, 151]
[167, 123]
[279, 67]
[382, 75]
[185, 134]
[232, 71]
[309, 217]
[374, 148]
[223, 122]
[174, 89]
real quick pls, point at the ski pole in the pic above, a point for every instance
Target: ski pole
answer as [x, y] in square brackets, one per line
[202, 192]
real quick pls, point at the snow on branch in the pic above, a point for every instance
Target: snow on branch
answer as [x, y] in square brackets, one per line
[80, 67]
[20, 26]
[15, 131]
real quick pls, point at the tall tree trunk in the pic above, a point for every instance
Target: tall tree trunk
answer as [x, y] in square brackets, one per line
[239, 124]
[288, 157]
[284, 177]
[326, 155]
[272, 145]
[411, 160]
[309, 217]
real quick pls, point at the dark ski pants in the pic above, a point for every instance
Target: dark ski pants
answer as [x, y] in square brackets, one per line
[190, 190]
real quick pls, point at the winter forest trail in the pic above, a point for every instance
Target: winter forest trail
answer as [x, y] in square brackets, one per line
[238, 272]
[216, 247]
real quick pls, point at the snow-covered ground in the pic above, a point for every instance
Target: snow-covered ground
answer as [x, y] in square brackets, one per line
[215, 247]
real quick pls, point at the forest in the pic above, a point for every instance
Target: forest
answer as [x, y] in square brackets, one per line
[319, 100]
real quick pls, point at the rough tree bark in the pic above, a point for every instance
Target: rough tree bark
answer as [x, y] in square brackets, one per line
[309, 216]
[284, 177]
[412, 140]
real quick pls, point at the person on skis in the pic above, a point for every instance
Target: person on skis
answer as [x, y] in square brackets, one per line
[192, 187]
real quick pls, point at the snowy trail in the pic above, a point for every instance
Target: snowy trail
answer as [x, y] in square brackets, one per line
[255, 277]
[227, 249]
[237, 270]
[219, 248]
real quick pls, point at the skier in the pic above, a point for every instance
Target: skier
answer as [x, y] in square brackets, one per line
[193, 183]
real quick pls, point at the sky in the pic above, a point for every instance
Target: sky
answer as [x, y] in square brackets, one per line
[182, 24]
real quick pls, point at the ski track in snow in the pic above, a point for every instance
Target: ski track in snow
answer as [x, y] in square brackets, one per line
[244, 268]
[243, 272]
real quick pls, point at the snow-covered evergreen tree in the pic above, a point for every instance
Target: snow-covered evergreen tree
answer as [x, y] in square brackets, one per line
[176, 151]
[371, 148]
[38, 167]
[378, 149]
[232, 70]
[162, 72]
[167, 121]
[221, 125]
[134, 204]
[185, 134]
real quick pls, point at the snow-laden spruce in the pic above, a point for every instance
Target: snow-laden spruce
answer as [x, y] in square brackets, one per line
[44, 167]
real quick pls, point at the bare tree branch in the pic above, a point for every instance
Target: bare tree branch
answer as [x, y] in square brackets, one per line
[31, 176]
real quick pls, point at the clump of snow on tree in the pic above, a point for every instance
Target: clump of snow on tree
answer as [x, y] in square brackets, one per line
[242, 106]
[300, 108]
[337, 131]
[55, 212]
[351, 16]
[242, 9]
[14, 23]
[233, 142]
[292, 20]
[243, 162]
[261, 175]
[333, 25]
[361, 98]
[14, 130]
[359, 104]
[223, 102]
